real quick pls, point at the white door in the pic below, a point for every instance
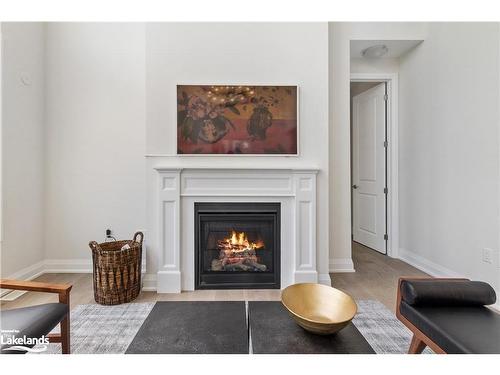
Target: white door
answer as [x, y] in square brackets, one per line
[368, 168]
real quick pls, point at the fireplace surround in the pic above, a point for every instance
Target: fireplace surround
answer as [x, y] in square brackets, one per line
[178, 189]
[237, 245]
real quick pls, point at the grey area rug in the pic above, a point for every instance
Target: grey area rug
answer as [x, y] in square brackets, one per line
[380, 327]
[97, 329]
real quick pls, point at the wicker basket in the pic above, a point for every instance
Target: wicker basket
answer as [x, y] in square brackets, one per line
[117, 272]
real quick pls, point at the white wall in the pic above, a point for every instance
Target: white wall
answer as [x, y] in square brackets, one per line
[1, 146]
[266, 53]
[95, 136]
[449, 145]
[498, 230]
[363, 65]
[22, 147]
[99, 79]
[340, 35]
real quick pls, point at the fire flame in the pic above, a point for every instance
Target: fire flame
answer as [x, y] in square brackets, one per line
[241, 240]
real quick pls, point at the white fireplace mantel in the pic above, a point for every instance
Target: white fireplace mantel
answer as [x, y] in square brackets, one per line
[179, 188]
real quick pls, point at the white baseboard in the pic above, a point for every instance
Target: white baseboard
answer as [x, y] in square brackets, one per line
[68, 266]
[324, 278]
[28, 273]
[149, 282]
[341, 265]
[425, 265]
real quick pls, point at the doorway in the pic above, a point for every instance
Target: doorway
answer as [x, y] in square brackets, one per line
[369, 164]
[360, 83]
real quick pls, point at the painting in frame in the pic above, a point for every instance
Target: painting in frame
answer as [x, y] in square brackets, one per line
[237, 120]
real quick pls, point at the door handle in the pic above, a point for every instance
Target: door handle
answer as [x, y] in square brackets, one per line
[354, 186]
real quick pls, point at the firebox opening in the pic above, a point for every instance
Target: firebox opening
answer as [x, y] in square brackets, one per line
[237, 245]
[237, 253]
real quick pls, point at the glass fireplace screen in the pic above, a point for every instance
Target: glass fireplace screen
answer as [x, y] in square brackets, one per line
[237, 245]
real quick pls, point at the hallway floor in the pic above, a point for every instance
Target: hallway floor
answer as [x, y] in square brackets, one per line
[376, 276]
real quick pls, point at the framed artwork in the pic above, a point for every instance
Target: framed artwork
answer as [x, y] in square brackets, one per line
[237, 120]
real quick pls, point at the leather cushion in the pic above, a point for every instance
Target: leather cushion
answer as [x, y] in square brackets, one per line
[457, 329]
[33, 321]
[447, 293]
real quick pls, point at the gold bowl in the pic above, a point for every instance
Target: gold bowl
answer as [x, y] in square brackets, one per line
[319, 308]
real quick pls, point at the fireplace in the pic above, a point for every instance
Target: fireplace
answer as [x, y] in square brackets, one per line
[175, 242]
[237, 245]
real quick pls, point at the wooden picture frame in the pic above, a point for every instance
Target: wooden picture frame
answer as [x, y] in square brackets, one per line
[237, 120]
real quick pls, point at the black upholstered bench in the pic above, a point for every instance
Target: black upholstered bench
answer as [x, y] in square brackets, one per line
[449, 315]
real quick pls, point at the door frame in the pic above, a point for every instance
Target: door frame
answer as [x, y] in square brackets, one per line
[392, 155]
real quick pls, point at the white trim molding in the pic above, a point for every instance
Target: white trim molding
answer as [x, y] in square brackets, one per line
[425, 265]
[392, 155]
[68, 266]
[149, 282]
[28, 273]
[43, 267]
[341, 265]
[324, 278]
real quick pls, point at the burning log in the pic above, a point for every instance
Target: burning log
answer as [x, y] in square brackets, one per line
[237, 264]
[255, 265]
[237, 260]
[247, 253]
[217, 265]
[241, 266]
[238, 254]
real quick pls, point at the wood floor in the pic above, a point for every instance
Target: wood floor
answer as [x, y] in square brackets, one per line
[375, 278]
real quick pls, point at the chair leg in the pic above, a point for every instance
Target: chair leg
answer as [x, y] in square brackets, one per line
[65, 336]
[416, 345]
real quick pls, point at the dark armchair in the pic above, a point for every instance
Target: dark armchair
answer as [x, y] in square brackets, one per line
[37, 321]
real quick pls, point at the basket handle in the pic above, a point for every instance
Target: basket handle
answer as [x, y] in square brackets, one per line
[138, 234]
[93, 245]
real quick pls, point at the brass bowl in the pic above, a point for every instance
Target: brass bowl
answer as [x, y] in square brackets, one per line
[319, 308]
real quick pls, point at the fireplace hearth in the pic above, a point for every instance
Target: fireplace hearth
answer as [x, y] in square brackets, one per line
[237, 245]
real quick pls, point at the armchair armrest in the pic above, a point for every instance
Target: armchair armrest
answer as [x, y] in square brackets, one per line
[34, 286]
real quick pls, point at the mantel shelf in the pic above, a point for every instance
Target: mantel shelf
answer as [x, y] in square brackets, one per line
[238, 169]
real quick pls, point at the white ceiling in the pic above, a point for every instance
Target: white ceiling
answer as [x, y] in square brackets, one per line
[396, 48]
